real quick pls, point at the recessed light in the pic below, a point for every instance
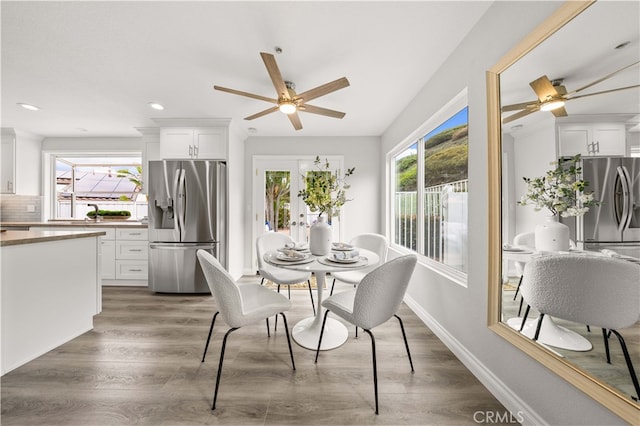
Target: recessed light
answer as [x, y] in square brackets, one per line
[156, 105]
[29, 106]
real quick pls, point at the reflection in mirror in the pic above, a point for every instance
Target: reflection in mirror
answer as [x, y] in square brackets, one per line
[590, 66]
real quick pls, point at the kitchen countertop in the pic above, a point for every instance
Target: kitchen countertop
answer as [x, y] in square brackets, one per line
[13, 238]
[82, 223]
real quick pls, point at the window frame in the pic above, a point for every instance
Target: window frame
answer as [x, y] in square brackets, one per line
[455, 105]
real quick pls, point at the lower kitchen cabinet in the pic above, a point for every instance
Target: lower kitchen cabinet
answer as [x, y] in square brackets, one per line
[131, 254]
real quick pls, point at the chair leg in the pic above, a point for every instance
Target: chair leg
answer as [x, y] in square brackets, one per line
[275, 327]
[406, 344]
[332, 285]
[606, 345]
[535, 337]
[224, 344]
[313, 305]
[324, 321]
[206, 346]
[517, 288]
[627, 358]
[262, 281]
[286, 330]
[520, 307]
[268, 332]
[375, 367]
[524, 318]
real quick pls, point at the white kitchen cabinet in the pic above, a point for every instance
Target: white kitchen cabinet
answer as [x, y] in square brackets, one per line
[131, 252]
[193, 143]
[591, 139]
[8, 160]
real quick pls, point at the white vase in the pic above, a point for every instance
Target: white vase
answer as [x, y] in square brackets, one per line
[320, 237]
[552, 235]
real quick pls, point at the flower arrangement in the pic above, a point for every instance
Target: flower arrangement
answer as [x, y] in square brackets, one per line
[325, 191]
[559, 191]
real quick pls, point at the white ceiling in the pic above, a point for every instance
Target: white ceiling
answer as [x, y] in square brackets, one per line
[96, 65]
[582, 52]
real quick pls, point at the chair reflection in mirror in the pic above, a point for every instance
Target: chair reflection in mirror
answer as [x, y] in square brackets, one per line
[596, 290]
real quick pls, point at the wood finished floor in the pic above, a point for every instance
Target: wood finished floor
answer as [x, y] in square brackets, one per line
[141, 365]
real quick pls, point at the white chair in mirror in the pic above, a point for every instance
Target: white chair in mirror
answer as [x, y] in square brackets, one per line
[373, 242]
[595, 290]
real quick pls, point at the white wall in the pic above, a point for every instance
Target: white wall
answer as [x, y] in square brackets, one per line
[534, 150]
[236, 183]
[363, 153]
[457, 314]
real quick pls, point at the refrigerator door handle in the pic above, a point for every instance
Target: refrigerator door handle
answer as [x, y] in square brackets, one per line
[625, 217]
[181, 197]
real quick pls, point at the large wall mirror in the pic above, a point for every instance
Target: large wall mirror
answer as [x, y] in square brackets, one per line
[580, 44]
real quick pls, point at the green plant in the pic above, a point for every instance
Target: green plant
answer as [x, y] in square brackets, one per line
[325, 190]
[135, 178]
[123, 213]
[560, 191]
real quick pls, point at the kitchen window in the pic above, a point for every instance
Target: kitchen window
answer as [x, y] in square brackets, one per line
[430, 191]
[112, 183]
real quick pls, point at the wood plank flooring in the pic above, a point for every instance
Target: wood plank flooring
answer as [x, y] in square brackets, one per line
[141, 365]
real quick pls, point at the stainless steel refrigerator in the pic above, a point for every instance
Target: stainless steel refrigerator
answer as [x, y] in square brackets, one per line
[615, 223]
[187, 212]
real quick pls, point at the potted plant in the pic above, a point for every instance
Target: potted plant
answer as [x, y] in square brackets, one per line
[562, 193]
[325, 192]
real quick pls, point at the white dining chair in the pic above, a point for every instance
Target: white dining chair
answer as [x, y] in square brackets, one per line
[373, 242]
[596, 290]
[271, 241]
[373, 302]
[239, 306]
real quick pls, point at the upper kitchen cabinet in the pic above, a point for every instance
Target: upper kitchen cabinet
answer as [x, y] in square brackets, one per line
[8, 160]
[205, 143]
[591, 139]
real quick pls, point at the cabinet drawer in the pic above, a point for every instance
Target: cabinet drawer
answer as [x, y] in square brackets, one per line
[132, 234]
[131, 270]
[131, 250]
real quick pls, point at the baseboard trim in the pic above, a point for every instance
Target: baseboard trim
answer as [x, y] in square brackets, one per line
[519, 409]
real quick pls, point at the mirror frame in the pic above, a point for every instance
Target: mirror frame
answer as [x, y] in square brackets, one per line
[601, 392]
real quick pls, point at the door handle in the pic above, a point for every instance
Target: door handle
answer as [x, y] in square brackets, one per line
[293, 223]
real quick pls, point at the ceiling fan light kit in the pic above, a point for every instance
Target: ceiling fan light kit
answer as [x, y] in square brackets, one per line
[287, 101]
[552, 104]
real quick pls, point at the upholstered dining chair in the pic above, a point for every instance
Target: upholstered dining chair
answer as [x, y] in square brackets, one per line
[239, 305]
[373, 302]
[373, 242]
[586, 289]
[270, 241]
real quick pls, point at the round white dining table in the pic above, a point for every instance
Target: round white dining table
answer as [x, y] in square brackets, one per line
[307, 331]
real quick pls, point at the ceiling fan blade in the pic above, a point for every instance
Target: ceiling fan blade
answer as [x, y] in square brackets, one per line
[559, 112]
[249, 95]
[518, 107]
[261, 113]
[276, 77]
[321, 111]
[604, 91]
[600, 80]
[518, 115]
[295, 120]
[543, 88]
[327, 88]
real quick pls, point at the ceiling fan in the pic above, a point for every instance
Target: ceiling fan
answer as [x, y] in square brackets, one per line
[552, 96]
[288, 101]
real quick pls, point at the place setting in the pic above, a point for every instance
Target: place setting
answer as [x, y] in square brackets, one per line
[343, 255]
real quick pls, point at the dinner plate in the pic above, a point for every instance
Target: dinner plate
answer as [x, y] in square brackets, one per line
[341, 246]
[516, 250]
[297, 258]
[333, 258]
